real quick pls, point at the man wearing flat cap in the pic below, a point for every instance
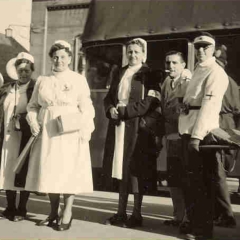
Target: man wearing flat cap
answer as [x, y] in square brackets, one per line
[202, 105]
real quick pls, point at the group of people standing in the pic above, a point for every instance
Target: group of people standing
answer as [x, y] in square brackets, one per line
[59, 162]
[143, 115]
[180, 113]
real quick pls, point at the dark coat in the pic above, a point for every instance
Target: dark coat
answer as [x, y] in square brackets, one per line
[131, 114]
[24, 127]
[230, 111]
[170, 105]
[230, 117]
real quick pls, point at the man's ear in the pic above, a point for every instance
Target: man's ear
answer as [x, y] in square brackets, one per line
[184, 64]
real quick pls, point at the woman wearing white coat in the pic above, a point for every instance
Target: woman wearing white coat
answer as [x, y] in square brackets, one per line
[15, 133]
[60, 162]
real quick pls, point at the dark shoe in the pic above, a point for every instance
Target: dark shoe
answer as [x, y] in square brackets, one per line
[117, 220]
[18, 218]
[20, 215]
[49, 221]
[227, 222]
[133, 222]
[172, 222]
[8, 214]
[64, 227]
[185, 228]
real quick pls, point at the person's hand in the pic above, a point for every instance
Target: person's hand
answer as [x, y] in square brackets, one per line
[35, 129]
[114, 113]
[186, 74]
[194, 144]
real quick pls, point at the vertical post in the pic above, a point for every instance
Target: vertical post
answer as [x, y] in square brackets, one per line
[84, 64]
[76, 50]
[191, 57]
[45, 42]
[124, 56]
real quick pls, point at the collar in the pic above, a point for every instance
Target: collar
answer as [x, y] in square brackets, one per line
[20, 88]
[66, 71]
[174, 79]
[144, 69]
[7, 86]
[135, 68]
[208, 62]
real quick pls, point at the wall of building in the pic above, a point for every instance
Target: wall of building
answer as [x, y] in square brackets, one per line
[53, 20]
[16, 15]
[9, 48]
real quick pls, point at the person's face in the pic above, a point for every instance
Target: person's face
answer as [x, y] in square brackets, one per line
[24, 72]
[60, 60]
[135, 54]
[203, 51]
[175, 65]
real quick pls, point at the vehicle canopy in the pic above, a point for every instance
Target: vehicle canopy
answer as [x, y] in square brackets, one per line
[166, 25]
[125, 18]
[115, 22]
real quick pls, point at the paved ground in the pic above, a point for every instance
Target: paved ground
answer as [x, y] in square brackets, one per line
[91, 210]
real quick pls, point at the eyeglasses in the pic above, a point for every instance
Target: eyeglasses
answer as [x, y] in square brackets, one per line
[203, 46]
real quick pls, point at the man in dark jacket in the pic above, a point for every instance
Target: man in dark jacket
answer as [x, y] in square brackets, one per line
[177, 77]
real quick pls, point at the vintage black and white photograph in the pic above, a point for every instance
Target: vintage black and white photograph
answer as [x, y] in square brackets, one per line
[120, 119]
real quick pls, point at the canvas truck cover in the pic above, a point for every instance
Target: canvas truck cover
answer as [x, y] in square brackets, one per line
[112, 19]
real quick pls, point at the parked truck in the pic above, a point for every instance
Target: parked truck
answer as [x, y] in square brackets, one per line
[165, 25]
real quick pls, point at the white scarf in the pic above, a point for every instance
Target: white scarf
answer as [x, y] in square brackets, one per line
[123, 97]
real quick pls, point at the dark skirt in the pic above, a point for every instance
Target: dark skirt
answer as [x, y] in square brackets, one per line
[143, 164]
[20, 178]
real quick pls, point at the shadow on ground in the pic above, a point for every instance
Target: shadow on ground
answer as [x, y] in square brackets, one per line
[98, 209]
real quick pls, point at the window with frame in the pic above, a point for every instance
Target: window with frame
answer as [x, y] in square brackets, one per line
[101, 63]
[157, 51]
[233, 52]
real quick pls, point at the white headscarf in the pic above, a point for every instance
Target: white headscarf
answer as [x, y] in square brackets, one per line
[123, 97]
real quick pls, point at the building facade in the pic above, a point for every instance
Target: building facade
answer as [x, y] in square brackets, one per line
[54, 20]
